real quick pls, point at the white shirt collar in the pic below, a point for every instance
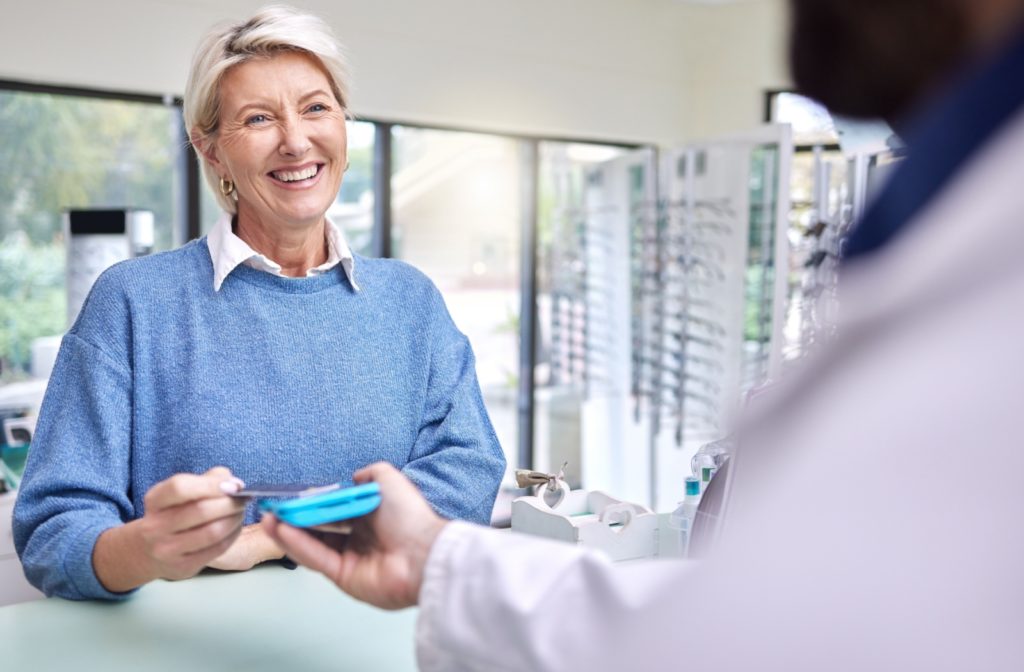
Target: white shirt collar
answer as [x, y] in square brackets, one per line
[228, 251]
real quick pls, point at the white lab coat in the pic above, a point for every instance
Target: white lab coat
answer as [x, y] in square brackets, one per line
[877, 513]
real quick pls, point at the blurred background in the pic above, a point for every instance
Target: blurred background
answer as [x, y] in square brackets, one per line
[629, 213]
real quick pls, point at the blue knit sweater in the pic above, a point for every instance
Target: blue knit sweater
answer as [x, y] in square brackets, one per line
[283, 380]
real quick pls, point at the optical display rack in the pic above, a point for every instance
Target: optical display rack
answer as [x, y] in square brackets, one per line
[668, 307]
[842, 187]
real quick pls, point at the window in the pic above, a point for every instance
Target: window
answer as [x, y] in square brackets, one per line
[812, 124]
[69, 151]
[559, 386]
[353, 210]
[456, 216]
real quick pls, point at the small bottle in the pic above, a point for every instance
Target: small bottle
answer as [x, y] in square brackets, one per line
[681, 520]
[712, 455]
[706, 474]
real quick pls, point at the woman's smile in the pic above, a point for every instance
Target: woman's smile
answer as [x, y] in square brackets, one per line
[298, 177]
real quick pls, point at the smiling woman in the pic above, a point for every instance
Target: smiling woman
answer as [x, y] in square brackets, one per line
[280, 153]
[255, 353]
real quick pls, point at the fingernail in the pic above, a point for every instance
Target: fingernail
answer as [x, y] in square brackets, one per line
[230, 487]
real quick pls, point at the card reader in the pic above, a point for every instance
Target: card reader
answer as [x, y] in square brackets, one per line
[325, 507]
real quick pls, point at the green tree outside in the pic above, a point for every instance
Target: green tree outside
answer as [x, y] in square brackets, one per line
[66, 152]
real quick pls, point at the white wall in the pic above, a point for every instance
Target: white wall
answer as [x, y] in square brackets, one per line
[632, 70]
[740, 53]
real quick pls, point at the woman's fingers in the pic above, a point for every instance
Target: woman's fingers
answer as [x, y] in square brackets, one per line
[199, 512]
[206, 555]
[199, 539]
[190, 520]
[182, 488]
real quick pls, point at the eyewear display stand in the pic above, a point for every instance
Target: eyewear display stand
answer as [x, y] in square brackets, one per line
[666, 305]
[711, 295]
[841, 190]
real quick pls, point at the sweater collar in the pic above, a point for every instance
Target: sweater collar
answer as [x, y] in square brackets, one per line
[941, 140]
[228, 252]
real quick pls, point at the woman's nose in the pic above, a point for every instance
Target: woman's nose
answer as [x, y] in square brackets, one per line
[294, 140]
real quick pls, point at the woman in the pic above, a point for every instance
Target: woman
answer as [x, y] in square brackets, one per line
[266, 352]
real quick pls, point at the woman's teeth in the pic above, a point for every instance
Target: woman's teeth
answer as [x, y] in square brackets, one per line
[296, 175]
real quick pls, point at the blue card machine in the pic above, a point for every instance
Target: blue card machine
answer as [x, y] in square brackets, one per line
[325, 507]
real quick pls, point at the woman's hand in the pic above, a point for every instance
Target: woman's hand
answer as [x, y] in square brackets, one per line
[189, 521]
[383, 559]
[252, 547]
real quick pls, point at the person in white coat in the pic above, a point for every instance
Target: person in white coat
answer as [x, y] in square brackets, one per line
[872, 515]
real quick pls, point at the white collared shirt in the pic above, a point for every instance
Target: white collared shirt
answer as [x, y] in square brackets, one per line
[228, 251]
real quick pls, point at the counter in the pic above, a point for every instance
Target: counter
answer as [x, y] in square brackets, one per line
[269, 618]
[13, 586]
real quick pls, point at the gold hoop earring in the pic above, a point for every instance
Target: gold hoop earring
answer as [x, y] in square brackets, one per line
[227, 187]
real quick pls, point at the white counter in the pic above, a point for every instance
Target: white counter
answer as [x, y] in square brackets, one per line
[268, 619]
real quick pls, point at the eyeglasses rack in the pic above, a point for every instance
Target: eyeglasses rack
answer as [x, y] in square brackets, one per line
[706, 230]
[582, 287]
[664, 303]
[841, 190]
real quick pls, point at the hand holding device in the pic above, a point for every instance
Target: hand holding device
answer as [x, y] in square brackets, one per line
[384, 566]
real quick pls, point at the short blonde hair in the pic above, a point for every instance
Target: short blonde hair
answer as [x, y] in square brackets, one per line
[270, 30]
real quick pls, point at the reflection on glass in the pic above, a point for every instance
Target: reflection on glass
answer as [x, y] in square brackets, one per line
[456, 216]
[66, 152]
[353, 209]
[758, 297]
[818, 191]
[558, 393]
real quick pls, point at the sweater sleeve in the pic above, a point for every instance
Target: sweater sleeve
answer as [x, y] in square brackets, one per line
[76, 481]
[456, 460]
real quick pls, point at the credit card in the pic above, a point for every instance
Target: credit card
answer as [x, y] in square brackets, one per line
[285, 490]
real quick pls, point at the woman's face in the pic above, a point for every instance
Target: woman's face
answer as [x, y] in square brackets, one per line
[281, 139]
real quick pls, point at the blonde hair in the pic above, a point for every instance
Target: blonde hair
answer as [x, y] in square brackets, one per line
[270, 30]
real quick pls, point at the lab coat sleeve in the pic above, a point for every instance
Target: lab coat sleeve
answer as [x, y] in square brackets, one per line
[494, 600]
[456, 460]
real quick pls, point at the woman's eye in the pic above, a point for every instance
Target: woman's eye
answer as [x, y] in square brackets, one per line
[256, 119]
[317, 107]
